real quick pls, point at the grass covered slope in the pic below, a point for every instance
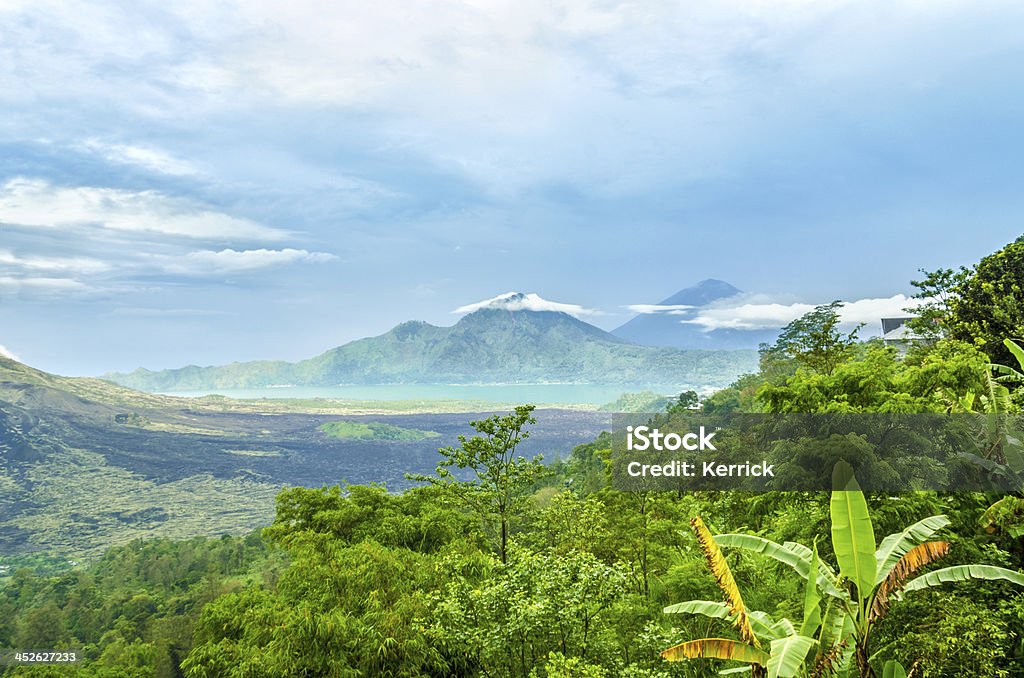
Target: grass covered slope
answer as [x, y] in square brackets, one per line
[374, 430]
[77, 473]
[486, 346]
[26, 386]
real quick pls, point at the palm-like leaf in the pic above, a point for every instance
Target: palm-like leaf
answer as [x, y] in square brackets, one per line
[896, 545]
[904, 569]
[787, 656]
[963, 573]
[767, 628]
[828, 663]
[834, 649]
[782, 629]
[1006, 374]
[1016, 350]
[762, 625]
[1012, 447]
[796, 556]
[853, 536]
[716, 648]
[1006, 514]
[997, 396]
[723, 575]
[812, 599]
[708, 608]
[833, 625]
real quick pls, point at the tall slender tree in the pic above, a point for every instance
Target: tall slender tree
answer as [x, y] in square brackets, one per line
[494, 480]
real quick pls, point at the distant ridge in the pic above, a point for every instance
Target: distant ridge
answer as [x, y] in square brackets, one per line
[667, 327]
[502, 341]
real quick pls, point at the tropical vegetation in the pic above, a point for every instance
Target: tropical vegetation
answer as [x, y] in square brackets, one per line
[498, 565]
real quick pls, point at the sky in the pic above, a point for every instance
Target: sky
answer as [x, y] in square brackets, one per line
[199, 182]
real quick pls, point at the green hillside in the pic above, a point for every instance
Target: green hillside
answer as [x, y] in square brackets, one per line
[350, 430]
[488, 346]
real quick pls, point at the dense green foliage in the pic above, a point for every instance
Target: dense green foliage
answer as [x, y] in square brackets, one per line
[813, 341]
[373, 583]
[861, 590]
[982, 305]
[989, 303]
[133, 611]
[641, 401]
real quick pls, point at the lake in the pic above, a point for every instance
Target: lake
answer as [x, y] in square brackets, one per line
[560, 394]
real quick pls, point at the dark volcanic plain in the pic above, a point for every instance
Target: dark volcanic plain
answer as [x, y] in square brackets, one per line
[290, 449]
[85, 464]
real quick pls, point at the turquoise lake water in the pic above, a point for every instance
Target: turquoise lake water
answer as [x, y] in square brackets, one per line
[588, 394]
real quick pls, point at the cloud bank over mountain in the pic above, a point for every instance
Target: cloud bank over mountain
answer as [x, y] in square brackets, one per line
[764, 315]
[517, 301]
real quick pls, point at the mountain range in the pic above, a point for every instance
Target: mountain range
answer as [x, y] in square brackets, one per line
[502, 341]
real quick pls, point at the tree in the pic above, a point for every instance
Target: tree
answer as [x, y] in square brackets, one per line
[643, 533]
[338, 610]
[936, 290]
[814, 340]
[877, 381]
[687, 400]
[988, 306]
[498, 479]
[507, 620]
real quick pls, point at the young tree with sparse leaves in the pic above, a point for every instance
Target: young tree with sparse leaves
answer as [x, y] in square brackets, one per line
[814, 341]
[497, 479]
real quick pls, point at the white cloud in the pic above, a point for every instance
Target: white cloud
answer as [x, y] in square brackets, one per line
[141, 156]
[760, 316]
[206, 262]
[37, 203]
[59, 264]
[6, 353]
[517, 301]
[748, 316]
[40, 287]
[871, 311]
[650, 309]
[460, 81]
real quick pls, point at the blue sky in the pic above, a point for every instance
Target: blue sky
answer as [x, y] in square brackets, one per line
[208, 182]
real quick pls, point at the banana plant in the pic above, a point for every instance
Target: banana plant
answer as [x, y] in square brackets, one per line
[1003, 452]
[869, 577]
[1009, 374]
[995, 399]
[787, 648]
